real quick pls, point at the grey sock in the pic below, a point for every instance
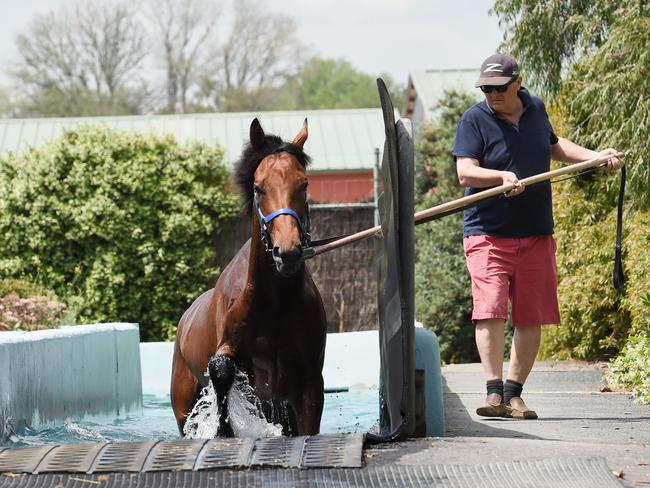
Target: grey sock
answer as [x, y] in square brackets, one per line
[511, 389]
[495, 386]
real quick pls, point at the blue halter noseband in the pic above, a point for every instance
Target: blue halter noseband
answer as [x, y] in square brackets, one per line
[265, 220]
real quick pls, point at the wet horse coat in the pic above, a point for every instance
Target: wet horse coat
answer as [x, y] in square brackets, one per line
[265, 315]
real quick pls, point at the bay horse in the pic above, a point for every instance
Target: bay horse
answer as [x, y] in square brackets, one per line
[265, 316]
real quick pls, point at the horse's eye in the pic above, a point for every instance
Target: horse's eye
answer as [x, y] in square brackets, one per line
[258, 190]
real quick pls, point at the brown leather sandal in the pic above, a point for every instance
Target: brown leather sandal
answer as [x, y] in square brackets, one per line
[493, 407]
[519, 410]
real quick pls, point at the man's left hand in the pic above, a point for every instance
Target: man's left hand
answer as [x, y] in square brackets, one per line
[615, 160]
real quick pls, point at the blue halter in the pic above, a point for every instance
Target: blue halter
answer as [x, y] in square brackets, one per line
[265, 220]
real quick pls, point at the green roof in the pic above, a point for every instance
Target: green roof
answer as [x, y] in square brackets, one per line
[339, 140]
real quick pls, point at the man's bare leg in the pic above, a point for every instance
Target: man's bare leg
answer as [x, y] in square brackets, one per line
[490, 342]
[525, 345]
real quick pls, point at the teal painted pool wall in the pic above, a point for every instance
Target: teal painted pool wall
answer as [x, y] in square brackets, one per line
[83, 372]
[427, 358]
[351, 361]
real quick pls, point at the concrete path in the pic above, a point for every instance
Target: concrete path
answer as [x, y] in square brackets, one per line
[575, 420]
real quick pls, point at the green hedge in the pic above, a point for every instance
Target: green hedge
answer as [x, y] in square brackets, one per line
[120, 226]
[630, 369]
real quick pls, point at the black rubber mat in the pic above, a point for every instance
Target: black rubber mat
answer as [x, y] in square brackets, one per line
[553, 473]
[331, 450]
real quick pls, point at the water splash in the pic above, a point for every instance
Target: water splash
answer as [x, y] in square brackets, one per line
[245, 413]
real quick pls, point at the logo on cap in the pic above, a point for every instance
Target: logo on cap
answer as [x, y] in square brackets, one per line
[493, 68]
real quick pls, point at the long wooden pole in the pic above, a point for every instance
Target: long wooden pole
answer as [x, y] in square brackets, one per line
[455, 205]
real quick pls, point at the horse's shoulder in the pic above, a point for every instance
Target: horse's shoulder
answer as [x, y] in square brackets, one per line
[199, 308]
[233, 277]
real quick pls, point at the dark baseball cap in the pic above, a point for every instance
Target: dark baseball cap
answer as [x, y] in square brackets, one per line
[496, 70]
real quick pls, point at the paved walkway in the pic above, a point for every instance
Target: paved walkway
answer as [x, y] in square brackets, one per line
[575, 420]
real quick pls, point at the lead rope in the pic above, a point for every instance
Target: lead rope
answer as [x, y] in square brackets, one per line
[619, 275]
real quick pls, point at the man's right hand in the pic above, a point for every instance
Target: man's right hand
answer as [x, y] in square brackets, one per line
[509, 178]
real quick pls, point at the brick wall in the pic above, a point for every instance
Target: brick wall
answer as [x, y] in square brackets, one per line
[341, 188]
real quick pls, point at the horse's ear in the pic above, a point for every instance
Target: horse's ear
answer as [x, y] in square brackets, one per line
[301, 137]
[257, 134]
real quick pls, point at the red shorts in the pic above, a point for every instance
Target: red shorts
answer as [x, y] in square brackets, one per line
[521, 270]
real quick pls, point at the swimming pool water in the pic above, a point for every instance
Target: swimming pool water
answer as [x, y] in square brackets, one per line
[356, 410]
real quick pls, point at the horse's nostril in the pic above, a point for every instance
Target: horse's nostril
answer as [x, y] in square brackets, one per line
[291, 256]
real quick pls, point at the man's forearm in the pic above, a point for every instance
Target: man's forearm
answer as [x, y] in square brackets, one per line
[569, 152]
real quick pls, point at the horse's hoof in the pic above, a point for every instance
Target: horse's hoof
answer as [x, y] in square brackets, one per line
[280, 412]
[222, 372]
[225, 430]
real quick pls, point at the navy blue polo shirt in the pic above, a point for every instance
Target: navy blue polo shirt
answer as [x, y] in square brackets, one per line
[526, 151]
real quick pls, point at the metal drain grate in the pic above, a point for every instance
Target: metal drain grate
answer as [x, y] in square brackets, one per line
[279, 451]
[339, 450]
[549, 473]
[225, 453]
[70, 458]
[23, 459]
[173, 456]
[122, 456]
[332, 451]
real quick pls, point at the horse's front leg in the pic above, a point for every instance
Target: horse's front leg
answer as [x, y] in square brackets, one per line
[309, 405]
[221, 368]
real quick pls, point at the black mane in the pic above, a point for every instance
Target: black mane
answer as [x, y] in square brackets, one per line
[252, 157]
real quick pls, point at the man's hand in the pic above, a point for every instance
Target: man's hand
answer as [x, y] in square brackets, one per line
[509, 178]
[615, 160]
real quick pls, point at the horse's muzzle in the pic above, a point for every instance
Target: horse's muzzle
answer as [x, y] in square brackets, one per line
[287, 263]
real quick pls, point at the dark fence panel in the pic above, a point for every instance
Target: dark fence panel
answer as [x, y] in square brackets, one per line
[346, 277]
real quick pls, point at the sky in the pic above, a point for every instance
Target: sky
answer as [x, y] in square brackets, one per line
[390, 36]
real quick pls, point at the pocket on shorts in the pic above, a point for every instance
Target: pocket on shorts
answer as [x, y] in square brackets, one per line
[473, 244]
[476, 250]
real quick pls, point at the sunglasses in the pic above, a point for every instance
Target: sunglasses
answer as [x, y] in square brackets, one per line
[499, 89]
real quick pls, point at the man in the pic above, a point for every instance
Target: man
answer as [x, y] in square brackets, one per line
[508, 242]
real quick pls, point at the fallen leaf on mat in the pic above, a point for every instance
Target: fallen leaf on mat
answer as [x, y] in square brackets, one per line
[102, 478]
[9, 474]
[619, 474]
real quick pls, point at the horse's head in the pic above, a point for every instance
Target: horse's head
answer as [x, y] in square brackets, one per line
[272, 177]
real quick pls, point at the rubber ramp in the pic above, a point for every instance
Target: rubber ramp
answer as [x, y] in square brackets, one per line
[564, 473]
[318, 451]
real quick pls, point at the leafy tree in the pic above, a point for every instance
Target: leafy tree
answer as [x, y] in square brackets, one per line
[547, 37]
[332, 83]
[121, 227]
[442, 285]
